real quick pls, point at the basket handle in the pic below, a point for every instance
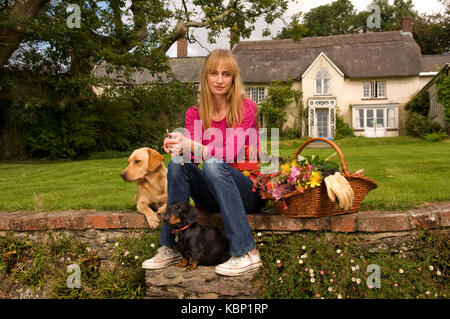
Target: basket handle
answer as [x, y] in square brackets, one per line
[333, 145]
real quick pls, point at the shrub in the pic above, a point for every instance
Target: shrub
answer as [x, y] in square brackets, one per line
[61, 133]
[419, 104]
[435, 137]
[342, 128]
[417, 125]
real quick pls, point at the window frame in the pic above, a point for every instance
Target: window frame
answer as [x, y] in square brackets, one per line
[321, 78]
[373, 88]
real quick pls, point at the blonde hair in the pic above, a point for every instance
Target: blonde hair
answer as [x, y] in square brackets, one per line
[234, 95]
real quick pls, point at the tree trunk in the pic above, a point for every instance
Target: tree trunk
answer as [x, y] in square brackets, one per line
[10, 37]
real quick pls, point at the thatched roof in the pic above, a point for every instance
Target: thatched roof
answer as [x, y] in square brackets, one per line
[377, 54]
[184, 69]
[363, 55]
[432, 61]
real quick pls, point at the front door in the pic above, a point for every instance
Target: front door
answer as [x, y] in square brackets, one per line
[375, 122]
[322, 122]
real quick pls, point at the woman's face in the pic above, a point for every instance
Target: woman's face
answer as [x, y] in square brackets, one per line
[219, 80]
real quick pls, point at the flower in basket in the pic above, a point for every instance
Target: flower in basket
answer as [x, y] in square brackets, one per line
[292, 176]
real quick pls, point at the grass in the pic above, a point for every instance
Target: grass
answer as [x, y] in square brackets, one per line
[337, 263]
[312, 265]
[409, 172]
[42, 267]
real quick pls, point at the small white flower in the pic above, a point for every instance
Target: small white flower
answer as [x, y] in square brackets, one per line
[311, 274]
[431, 267]
[259, 234]
[300, 261]
[136, 257]
[357, 267]
[278, 261]
[339, 296]
[353, 268]
[352, 261]
[427, 292]
[338, 251]
[435, 294]
[358, 281]
[126, 253]
[303, 247]
[353, 279]
[313, 280]
[330, 289]
[152, 245]
[331, 280]
[438, 273]
[401, 271]
[116, 244]
[311, 270]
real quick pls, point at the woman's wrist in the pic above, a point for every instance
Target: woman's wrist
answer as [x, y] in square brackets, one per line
[199, 149]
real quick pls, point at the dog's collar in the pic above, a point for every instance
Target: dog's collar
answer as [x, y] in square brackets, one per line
[174, 231]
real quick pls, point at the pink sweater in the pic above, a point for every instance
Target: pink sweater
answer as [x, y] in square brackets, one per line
[219, 146]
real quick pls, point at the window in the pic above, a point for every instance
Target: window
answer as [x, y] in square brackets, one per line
[368, 117]
[323, 82]
[257, 94]
[374, 89]
[391, 117]
[433, 106]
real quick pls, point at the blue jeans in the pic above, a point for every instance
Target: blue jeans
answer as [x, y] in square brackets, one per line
[215, 187]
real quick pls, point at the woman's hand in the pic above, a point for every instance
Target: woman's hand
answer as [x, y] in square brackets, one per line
[176, 143]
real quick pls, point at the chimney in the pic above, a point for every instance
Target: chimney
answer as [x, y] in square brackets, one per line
[234, 36]
[182, 47]
[406, 25]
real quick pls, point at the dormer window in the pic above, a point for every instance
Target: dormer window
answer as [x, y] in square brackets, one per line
[323, 81]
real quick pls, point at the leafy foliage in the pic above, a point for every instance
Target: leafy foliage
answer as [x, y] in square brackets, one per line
[280, 95]
[443, 88]
[419, 104]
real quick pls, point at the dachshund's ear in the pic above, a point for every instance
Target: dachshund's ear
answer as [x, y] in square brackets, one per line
[191, 215]
[154, 159]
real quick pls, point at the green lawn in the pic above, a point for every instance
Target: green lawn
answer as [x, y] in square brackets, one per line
[409, 172]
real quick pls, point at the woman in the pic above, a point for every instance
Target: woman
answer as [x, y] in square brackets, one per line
[219, 185]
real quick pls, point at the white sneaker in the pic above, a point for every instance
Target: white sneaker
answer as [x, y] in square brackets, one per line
[238, 265]
[165, 257]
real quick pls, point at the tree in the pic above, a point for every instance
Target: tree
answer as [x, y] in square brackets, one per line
[280, 95]
[339, 17]
[52, 67]
[12, 15]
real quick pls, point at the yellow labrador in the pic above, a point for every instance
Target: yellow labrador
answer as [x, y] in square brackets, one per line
[147, 169]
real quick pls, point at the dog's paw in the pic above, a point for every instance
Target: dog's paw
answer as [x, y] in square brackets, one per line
[161, 210]
[153, 222]
[191, 266]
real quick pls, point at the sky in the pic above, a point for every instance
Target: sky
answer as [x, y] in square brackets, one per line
[201, 48]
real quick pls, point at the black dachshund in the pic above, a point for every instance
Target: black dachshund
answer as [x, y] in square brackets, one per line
[197, 244]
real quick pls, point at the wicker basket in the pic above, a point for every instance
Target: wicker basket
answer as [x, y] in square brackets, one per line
[314, 202]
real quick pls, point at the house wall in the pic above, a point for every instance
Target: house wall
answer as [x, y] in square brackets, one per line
[440, 117]
[398, 90]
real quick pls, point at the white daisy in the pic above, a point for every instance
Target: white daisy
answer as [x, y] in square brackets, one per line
[401, 271]
[313, 280]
